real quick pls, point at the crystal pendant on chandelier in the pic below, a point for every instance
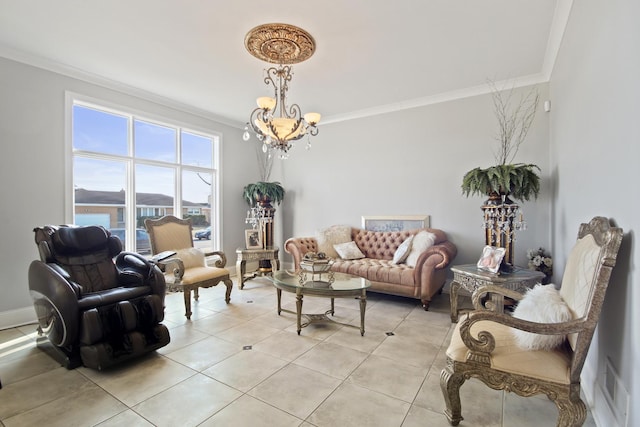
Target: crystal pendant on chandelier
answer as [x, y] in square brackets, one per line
[246, 136]
[274, 123]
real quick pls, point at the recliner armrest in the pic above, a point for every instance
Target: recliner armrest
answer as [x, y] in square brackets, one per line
[136, 270]
[48, 287]
[131, 265]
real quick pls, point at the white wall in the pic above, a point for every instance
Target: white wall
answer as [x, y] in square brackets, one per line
[595, 150]
[32, 135]
[410, 163]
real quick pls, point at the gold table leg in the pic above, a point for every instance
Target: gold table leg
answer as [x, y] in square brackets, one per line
[279, 295]
[455, 287]
[241, 268]
[363, 306]
[299, 310]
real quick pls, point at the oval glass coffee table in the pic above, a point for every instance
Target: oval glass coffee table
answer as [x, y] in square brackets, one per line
[343, 286]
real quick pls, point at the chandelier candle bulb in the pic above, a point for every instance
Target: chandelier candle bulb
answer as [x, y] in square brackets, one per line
[266, 103]
[312, 118]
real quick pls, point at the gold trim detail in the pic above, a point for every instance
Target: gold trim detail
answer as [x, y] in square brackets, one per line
[280, 43]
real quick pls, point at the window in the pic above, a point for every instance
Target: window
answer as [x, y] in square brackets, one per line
[126, 168]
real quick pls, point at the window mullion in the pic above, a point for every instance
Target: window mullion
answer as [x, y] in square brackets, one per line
[178, 171]
[131, 206]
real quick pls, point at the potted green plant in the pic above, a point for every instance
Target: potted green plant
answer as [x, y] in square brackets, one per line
[518, 180]
[263, 192]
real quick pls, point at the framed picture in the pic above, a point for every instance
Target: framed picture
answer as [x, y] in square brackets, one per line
[491, 259]
[395, 222]
[253, 239]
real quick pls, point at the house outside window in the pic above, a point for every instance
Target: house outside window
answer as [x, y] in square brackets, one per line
[127, 167]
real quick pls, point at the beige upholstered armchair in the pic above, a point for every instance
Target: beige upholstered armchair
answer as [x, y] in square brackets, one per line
[186, 268]
[483, 346]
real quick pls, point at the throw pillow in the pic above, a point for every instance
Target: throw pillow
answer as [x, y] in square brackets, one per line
[333, 235]
[348, 250]
[542, 304]
[403, 251]
[191, 257]
[421, 242]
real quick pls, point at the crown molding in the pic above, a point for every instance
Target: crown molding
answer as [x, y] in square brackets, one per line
[483, 89]
[76, 73]
[556, 34]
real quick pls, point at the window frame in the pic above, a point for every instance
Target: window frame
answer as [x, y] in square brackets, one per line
[72, 99]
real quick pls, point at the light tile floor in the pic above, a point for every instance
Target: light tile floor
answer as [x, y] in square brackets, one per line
[327, 376]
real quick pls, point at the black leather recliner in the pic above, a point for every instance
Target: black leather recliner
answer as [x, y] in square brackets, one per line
[94, 309]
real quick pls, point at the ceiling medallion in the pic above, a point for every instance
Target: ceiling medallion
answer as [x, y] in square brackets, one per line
[280, 43]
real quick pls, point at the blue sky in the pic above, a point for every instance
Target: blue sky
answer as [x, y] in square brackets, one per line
[107, 133]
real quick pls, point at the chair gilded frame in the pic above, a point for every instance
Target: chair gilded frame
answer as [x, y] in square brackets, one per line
[483, 347]
[170, 234]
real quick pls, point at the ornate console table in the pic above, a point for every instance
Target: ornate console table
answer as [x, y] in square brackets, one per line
[245, 255]
[470, 278]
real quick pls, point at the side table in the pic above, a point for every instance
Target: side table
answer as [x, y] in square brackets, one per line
[245, 255]
[470, 277]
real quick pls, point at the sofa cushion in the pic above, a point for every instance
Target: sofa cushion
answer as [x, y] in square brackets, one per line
[403, 251]
[377, 270]
[333, 235]
[348, 250]
[541, 304]
[421, 242]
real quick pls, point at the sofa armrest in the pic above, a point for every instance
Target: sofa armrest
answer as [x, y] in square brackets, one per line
[436, 258]
[447, 251]
[298, 246]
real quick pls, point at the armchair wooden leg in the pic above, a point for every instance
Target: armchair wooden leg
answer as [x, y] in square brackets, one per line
[229, 285]
[187, 302]
[450, 383]
[572, 412]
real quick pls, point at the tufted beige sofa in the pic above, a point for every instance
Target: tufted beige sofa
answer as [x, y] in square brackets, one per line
[420, 282]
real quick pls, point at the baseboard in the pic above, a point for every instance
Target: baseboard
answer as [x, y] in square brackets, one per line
[17, 317]
[598, 404]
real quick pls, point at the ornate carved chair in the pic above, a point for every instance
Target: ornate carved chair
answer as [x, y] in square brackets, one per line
[483, 345]
[186, 269]
[91, 309]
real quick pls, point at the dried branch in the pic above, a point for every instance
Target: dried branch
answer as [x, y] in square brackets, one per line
[515, 118]
[265, 161]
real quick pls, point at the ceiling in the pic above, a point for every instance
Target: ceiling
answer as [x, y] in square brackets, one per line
[372, 56]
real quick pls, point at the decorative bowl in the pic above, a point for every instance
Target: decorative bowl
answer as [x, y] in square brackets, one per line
[316, 266]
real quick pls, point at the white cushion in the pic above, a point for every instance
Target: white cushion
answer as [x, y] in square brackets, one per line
[333, 235]
[421, 242]
[191, 257]
[403, 251]
[348, 250]
[542, 304]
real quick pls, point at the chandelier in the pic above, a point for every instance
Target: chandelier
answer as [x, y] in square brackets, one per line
[275, 124]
